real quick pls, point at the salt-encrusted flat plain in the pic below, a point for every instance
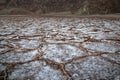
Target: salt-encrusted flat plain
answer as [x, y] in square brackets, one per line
[49, 48]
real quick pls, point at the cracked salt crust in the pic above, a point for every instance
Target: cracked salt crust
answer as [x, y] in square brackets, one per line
[35, 71]
[103, 47]
[28, 31]
[115, 57]
[63, 40]
[92, 68]
[62, 53]
[2, 68]
[14, 56]
[112, 25]
[3, 49]
[100, 34]
[27, 44]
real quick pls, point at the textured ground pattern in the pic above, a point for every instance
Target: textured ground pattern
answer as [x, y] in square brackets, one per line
[49, 48]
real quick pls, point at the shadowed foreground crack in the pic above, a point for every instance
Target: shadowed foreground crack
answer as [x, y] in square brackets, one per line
[59, 48]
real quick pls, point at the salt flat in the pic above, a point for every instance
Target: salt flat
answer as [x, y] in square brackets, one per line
[59, 48]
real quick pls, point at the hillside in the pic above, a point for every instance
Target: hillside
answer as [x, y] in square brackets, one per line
[57, 6]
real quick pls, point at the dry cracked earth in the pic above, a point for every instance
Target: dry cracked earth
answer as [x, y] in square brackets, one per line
[47, 48]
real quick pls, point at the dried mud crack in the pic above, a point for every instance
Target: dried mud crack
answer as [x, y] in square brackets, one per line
[49, 48]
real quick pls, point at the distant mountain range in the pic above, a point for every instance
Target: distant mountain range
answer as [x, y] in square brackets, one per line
[56, 6]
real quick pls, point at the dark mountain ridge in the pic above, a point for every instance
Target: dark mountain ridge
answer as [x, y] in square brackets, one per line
[73, 6]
